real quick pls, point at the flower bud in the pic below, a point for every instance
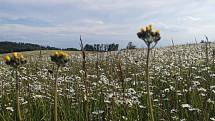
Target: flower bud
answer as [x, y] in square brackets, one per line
[15, 55]
[7, 58]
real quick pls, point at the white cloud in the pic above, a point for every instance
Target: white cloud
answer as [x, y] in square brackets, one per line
[179, 19]
[90, 21]
[48, 2]
[192, 18]
[98, 28]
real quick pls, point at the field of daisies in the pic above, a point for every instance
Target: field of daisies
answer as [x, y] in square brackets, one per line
[111, 86]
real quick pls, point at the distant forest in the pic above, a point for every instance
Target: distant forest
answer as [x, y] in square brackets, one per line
[8, 47]
[101, 47]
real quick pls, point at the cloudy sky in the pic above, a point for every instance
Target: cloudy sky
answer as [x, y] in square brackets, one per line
[60, 22]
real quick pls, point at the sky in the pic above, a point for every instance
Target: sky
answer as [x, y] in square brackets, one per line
[60, 23]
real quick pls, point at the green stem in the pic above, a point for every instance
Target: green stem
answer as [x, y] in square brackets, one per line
[147, 86]
[17, 97]
[55, 95]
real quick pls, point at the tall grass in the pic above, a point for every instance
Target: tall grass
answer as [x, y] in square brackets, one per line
[183, 86]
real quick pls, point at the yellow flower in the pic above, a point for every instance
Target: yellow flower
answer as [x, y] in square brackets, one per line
[7, 58]
[63, 54]
[15, 55]
[158, 31]
[56, 54]
[60, 58]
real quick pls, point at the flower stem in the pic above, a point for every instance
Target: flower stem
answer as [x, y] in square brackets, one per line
[17, 97]
[55, 94]
[147, 86]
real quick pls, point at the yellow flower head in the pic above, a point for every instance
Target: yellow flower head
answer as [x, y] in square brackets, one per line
[15, 55]
[61, 53]
[149, 36]
[7, 58]
[158, 31]
[56, 54]
[60, 58]
[15, 60]
[64, 55]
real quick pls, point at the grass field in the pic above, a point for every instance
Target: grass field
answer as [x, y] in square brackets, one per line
[114, 87]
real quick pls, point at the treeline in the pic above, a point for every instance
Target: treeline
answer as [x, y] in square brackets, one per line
[101, 47]
[7, 47]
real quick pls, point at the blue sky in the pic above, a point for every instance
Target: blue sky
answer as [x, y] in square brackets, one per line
[59, 23]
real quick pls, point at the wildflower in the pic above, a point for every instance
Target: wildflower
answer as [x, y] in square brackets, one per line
[7, 58]
[149, 36]
[15, 60]
[98, 112]
[60, 58]
[151, 39]
[15, 55]
[210, 101]
[10, 109]
[212, 119]
[56, 54]
[185, 106]
[61, 53]
[125, 118]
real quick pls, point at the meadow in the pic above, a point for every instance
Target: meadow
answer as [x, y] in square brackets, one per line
[112, 86]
